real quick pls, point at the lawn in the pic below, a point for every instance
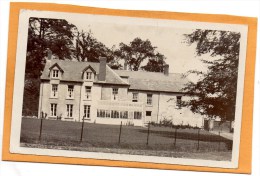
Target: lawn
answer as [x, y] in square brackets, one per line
[105, 138]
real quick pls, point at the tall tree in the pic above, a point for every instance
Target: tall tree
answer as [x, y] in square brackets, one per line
[215, 93]
[55, 34]
[137, 52]
[43, 33]
[88, 48]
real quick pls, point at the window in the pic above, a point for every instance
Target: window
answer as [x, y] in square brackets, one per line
[70, 91]
[86, 111]
[148, 113]
[178, 102]
[114, 114]
[88, 93]
[54, 91]
[123, 115]
[55, 73]
[135, 97]
[53, 109]
[137, 115]
[149, 99]
[88, 75]
[69, 110]
[107, 113]
[101, 113]
[115, 93]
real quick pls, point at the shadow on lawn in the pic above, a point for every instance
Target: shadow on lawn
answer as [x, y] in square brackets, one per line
[185, 135]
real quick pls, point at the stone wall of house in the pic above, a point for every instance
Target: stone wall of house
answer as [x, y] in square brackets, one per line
[164, 106]
[178, 115]
[62, 100]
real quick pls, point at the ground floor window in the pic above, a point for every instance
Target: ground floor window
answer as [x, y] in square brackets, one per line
[123, 115]
[137, 115]
[148, 113]
[69, 110]
[114, 114]
[53, 109]
[87, 111]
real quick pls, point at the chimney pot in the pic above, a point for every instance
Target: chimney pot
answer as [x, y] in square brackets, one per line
[102, 68]
[166, 69]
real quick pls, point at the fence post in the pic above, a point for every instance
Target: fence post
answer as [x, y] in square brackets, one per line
[198, 139]
[175, 136]
[119, 138]
[219, 140]
[82, 127]
[40, 136]
[148, 133]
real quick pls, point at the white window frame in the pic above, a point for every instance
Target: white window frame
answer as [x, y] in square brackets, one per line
[87, 111]
[88, 75]
[70, 92]
[137, 115]
[115, 94]
[55, 73]
[88, 90]
[69, 110]
[135, 97]
[53, 110]
[149, 100]
[115, 114]
[54, 91]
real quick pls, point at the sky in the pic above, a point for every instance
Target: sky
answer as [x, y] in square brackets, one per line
[168, 38]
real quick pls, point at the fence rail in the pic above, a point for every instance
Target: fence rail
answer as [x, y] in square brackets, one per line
[75, 134]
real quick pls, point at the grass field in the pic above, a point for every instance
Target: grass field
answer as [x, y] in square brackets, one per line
[105, 138]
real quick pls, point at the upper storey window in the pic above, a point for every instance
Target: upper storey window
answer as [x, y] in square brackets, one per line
[114, 93]
[89, 75]
[55, 73]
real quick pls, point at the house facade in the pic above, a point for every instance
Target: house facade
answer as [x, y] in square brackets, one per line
[93, 92]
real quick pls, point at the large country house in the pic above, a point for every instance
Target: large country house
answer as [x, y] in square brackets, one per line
[95, 93]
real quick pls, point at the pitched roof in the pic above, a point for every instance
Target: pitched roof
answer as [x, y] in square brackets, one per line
[73, 71]
[154, 81]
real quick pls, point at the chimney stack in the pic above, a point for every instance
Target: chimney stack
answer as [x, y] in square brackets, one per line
[49, 53]
[102, 68]
[166, 69]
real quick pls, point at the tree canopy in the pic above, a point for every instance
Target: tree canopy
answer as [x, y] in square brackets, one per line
[55, 34]
[215, 93]
[138, 51]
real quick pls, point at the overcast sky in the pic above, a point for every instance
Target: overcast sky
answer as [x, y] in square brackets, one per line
[169, 39]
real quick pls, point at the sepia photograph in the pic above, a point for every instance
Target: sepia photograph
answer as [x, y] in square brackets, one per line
[131, 89]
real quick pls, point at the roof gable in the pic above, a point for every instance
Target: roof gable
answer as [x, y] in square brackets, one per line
[73, 71]
[89, 67]
[56, 65]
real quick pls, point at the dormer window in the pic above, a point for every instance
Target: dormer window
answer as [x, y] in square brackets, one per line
[88, 75]
[55, 73]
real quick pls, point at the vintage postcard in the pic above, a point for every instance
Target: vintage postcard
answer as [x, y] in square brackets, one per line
[130, 89]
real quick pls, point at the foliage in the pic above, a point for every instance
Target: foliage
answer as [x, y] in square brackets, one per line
[88, 48]
[137, 52]
[55, 34]
[215, 93]
[169, 123]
